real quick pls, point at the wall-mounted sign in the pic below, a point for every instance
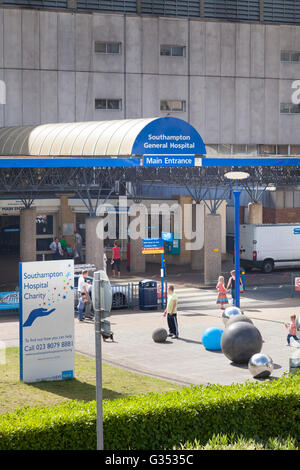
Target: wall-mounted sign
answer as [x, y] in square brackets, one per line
[297, 284]
[46, 320]
[168, 160]
[173, 141]
[167, 236]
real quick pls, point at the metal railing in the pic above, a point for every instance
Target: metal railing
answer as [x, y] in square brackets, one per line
[127, 295]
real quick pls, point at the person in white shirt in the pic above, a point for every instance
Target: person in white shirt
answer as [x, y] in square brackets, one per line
[78, 247]
[56, 249]
[84, 288]
[104, 260]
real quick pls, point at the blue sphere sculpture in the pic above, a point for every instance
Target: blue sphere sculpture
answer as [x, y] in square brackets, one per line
[211, 338]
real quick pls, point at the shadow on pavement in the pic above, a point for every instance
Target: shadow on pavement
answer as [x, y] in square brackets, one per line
[185, 340]
[75, 389]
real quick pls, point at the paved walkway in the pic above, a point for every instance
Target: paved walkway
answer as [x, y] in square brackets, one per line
[184, 360]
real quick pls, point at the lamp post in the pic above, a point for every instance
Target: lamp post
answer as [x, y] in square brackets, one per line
[236, 177]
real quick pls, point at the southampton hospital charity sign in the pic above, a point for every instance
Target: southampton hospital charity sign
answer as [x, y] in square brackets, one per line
[46, 320]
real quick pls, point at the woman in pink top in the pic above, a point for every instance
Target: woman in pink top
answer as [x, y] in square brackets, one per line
[116, 261]
[222, 297]
[292, 330]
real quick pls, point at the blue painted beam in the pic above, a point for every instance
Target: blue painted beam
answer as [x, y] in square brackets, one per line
[249, 161]
[65, 162]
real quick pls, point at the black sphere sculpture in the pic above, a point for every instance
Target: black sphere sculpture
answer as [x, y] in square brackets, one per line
[240, 341]
[159, 335]
[236, 318]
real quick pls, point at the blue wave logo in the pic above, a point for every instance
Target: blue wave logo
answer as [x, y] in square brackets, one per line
[36, 313]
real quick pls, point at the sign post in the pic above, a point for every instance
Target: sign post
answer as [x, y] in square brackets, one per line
[153, 246]
[46, 320]
[102, 302]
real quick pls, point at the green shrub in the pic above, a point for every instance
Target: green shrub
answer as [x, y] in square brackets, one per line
[260, 411]
[223, 442]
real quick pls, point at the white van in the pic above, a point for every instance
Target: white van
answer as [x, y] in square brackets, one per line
[269, 246]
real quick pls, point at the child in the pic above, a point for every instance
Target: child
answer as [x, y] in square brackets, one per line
[222, 298]
[83, 300]
[292, 330]
[231, 285]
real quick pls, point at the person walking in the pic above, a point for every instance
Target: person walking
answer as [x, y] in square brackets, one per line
[171, 312]
[104, 260]
[78, 247]
[64, 246]
[56, 249]
[84, 294]
[222, 291]
[231, 285]
[116, 260]
[291, 330]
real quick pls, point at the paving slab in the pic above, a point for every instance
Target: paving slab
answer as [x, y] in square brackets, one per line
[183, 360]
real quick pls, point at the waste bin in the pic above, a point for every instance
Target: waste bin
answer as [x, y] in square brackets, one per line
[148, 294]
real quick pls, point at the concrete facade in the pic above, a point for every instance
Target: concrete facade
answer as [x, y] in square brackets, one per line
[27, 235]
[212, 248]
[231, 77]
[69, 213]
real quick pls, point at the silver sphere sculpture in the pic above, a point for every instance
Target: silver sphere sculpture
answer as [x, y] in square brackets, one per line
[159, 335]
[260, 366]
[230, 312]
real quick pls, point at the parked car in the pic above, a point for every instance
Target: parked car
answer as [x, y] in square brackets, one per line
[119, 297]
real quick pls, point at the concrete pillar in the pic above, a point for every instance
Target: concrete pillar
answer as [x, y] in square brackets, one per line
[212, 248]
[137, 231]
[137, 259]
[28, 234]
[185, 203]
[255, 213]
[197, 256]
[94, 241]
[66, 216]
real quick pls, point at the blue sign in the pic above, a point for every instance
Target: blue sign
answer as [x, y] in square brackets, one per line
[297, 231]
[167, 236]
[9, 300]
[152, 246]
[46, 320]
[168, 160]
[169, 136]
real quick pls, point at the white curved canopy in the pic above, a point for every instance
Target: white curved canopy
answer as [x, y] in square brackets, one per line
[95, 138]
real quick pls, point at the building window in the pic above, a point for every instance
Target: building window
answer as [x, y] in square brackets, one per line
[172, 105]
[172, 51]
[107, 47]
[108, 103]
[290, 56]
[282, 149]
[239, 149]
[44, 224]
[295, 150]
[267, 149]
[289, 108]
